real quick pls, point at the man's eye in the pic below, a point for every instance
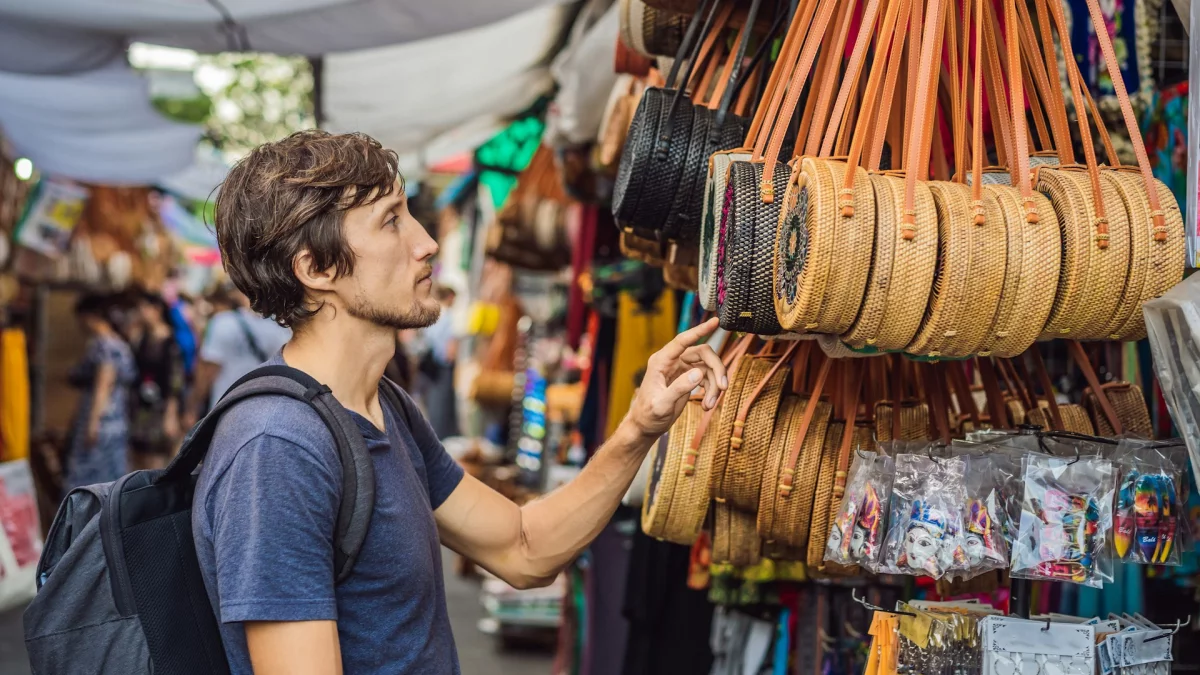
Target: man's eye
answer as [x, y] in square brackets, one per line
[391, 222]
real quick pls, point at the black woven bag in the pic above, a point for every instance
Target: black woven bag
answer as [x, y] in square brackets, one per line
[746, 250]
[714, 131]
[645, 184]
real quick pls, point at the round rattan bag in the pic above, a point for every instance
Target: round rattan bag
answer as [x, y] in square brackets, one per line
[746, 425]
[1031, 273]
[677, 497]
[969, 277]
[714, 202]
[1094, 265]
[901, 273]
[735, 538]
[1156, 263]
[823, 292]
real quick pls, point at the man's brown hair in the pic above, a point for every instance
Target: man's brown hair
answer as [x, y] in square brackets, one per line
[291, 195]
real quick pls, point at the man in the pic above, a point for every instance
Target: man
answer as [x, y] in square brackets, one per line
[316, 231]
[236, 341]
[437, 367]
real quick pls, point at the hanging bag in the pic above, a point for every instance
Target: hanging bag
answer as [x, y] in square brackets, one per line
[750, 213]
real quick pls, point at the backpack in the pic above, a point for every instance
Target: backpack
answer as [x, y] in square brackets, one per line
[119, 584]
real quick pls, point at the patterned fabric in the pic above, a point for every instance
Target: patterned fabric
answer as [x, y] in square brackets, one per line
[105, 461]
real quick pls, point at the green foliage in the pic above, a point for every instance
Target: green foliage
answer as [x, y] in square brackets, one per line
[194, 110]
[256, 98]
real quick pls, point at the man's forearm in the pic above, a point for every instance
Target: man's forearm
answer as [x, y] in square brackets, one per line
[556, 528]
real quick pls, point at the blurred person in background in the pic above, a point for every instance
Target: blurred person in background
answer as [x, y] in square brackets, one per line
[158, 391]
[437, 368]
[100, 431]
[236, 341]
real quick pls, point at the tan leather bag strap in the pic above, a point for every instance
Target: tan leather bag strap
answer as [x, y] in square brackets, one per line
[739, 423]
[1131, 121]
[767, 115]
[810, 410]
[794, 89]
[1044, 377]
[897, 394]
[891, 103]
[831, 54]
[1089, 150]
[997, 92]
[957, 378]
[921, 132]
[1021, 176]
[991, 386]
[854, 70]
[1089, 373]
[977, 150]
[733, 356]
[1048, 85]
[800, 367]
[935, 393]
[1066, 149]
[881, 84]
[855, 375]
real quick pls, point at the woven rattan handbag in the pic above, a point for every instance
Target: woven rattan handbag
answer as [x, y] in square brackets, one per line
[1156, 223]
[1051, 414]
[790, 484]
[746, 426]
[1115, 408]
[1034, 242]
[910, 419]
[1094, 225]
[678, 492]
[834, 202]
[735, 538]
[750, 212]
[657, 142]
[904, 256]
[972, 248]
[831, 485]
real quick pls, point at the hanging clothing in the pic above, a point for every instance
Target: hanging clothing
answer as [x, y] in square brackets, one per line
[669, 624]
[641, 331]
[104, 460]
[14, 394]
[160, 374]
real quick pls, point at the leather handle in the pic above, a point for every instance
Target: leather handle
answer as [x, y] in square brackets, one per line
[1089, 373]
[957, 379]
[1131, 122]
[853, 74]
[897, 395]
[1089, 151]
[739, 423]
[936, 395]
[856, 374]
[690, 455]
[1020, 127]
[832, 57]
[921, 131]
[810, 410]
[1047, 387]
[991, 385]
[795, 87]
[767, 114]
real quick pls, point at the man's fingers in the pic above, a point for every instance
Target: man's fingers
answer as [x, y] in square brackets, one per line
[705, 354]
[688, 338]
[684, 384]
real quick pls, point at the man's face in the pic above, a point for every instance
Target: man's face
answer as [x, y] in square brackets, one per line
[393, 279]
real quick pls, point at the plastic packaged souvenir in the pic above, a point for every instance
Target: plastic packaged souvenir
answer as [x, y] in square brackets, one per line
[988, 491]
[856, 537]
[1066, 518]
[1151, 494]
[925, 533]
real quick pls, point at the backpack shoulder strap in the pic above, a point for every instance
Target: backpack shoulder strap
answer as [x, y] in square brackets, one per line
[358, 473]
[398, 398]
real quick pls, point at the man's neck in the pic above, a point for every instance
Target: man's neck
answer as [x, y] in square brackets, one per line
[347, 355]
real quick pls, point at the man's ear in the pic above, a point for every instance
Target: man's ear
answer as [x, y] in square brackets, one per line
[305, 269]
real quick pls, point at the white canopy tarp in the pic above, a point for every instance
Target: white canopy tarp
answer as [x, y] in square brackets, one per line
[96, 126]
[69, 33]
[447, 88]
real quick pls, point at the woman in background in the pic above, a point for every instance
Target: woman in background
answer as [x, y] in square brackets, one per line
[158, 390]
[100, 432]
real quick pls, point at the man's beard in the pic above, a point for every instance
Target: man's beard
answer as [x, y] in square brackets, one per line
[419, 315]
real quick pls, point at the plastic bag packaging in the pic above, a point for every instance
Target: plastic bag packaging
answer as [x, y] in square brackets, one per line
[1150, 502]
[925, 523]
[1173, 325]
[1066, 520]
[988, 484]
[858, 530]
[995, 470]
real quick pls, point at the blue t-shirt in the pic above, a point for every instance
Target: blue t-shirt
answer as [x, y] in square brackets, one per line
[263, 521]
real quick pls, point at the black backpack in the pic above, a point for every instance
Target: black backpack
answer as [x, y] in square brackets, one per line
[119, 585]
